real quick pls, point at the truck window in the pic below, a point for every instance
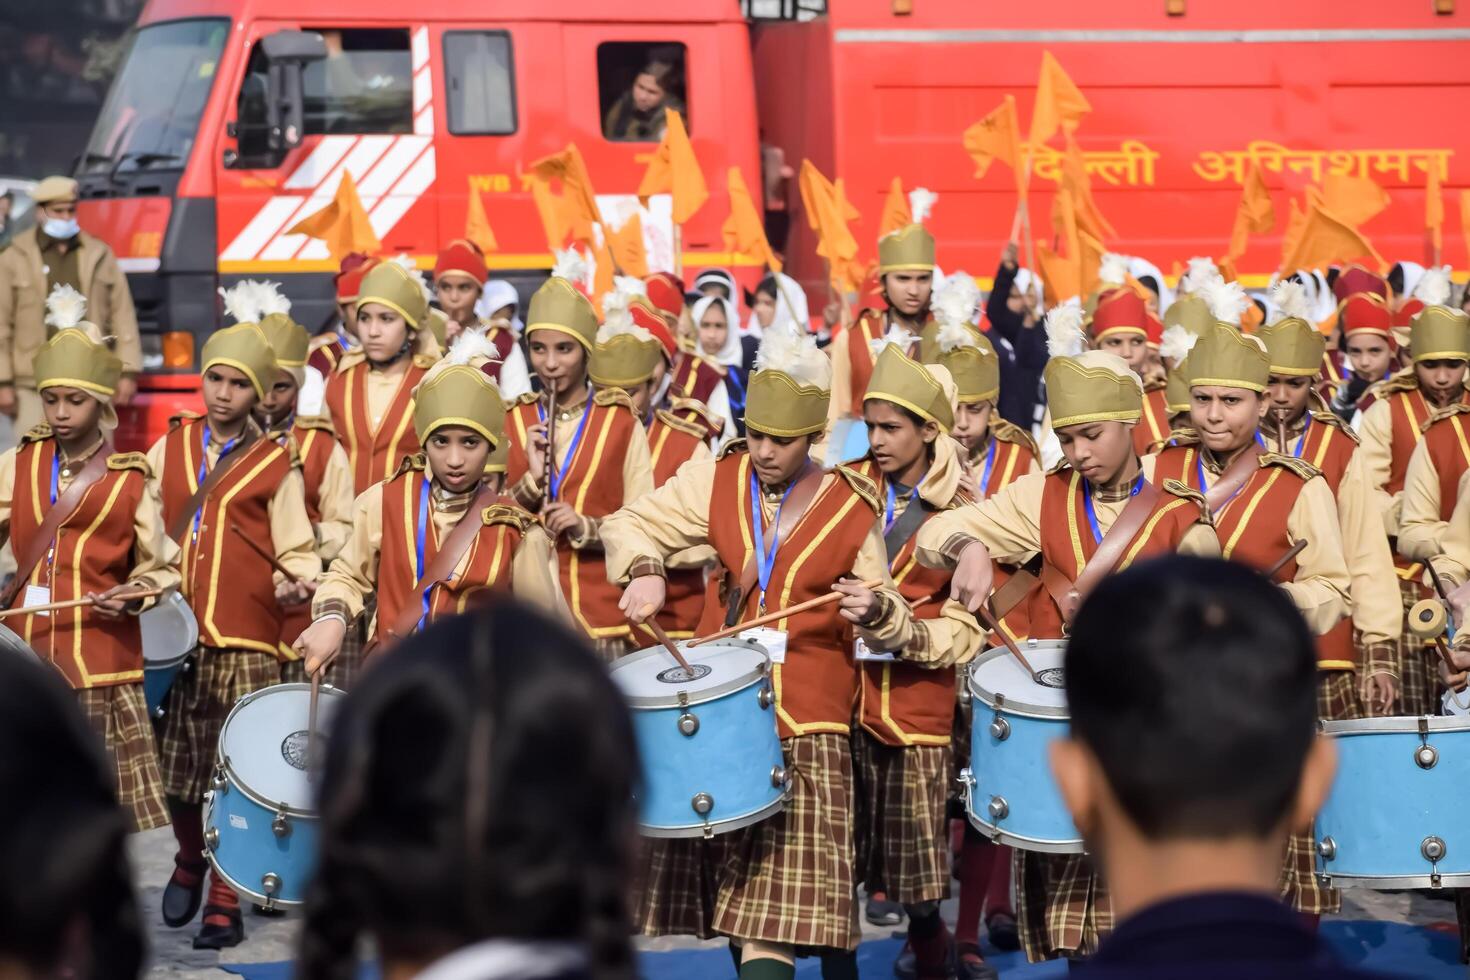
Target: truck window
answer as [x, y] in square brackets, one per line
[481, 80]
[636, 80]
[365, 85]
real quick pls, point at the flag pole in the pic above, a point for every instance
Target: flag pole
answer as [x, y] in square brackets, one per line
[781, 288]
[679, 250]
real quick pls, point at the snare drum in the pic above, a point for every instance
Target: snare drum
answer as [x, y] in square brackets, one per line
[170, 634]
[712, 760]
[1395, 817]
[260, 825]
[1010, 794]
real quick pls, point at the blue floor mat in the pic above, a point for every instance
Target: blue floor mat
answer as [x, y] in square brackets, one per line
[1387, 947]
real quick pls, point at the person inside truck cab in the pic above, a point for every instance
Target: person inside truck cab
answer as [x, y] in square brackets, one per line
[57, 252]
[638, 114]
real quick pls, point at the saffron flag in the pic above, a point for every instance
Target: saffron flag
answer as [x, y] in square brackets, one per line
[1325, 238]
[744, 232]
[1060, 104]
[997, 137]
[896, 214]
[625, 245]
[1074, 179]
[828, 212]
[343, 224]
[674, 169]
[1353, 200]
[1434, 213]
[1254, 215]
[477, 224]
[578, 199]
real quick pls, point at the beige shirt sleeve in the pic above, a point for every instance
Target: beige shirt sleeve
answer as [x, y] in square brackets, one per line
[335, 504]
[1321, 586]
[353, 574]
[7, 490]
[1378, 611]
[1454, 564]
[637, 482]
[155, 456]
[894, 628]
[1008, 524]
[649, 529]
[291, 535]
[841, 403]
[1374, 459]
[1420, 529]
[1200, 542]
[531, 577]
[953, 637]
[155, 554]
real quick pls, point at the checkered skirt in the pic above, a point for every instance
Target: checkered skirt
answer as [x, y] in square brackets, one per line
[675, 885]
[902, 819]
[1063, 907]
[1419, 690]
[344, 671]
[1337, 695]
[195, 711]
[789, 879]
[119, 713]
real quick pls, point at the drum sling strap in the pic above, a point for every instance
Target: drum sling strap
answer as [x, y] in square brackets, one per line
[442, 565]
[1069, 595]
[65, 506]
[182, 519]
[1234, 477]
[796, 504]
[904, 527]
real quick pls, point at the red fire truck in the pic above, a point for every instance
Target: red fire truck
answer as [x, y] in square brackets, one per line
[232, 119]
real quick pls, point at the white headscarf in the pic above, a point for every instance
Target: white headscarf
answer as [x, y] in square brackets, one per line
[731, 354]
[1027, 281]
[786, 289]
[1138, 268]
[1413, 272]
[497, 294]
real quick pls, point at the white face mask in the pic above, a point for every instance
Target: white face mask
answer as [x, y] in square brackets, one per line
[61, 228]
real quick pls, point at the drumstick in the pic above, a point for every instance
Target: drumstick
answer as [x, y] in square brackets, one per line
[1438, 582]
[663, 637]
[73, 603]
[1291, 553]
[779, 614]
[293, 579]
[316, 689]
[1005, 638]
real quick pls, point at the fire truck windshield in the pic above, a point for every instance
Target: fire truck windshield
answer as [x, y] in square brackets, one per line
[152, 112]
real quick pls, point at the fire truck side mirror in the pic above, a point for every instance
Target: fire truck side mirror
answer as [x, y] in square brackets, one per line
[288, 53]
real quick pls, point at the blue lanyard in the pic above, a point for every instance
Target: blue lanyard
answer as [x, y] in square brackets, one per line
[423, 530]
[1261, 440]
[985, 473]
[766, 558]
[1097, 534]
[55, 475]
[890, 511]
[561, 470]
[1199, 465]
[204, 472]
[1302, 442]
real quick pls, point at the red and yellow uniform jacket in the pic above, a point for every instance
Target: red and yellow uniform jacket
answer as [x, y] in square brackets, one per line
[327, 476]
[1009, 454]
[372, 414]
[672, 442]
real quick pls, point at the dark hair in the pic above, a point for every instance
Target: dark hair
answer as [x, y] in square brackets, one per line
[478, 784]
[1150, 283]
[63, 857]
[1193, 682]
[769, 287]
[1395, 279]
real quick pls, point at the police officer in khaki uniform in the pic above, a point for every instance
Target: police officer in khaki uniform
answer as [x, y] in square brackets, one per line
[57, 252]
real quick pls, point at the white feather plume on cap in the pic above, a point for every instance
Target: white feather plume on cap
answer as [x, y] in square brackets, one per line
[795, 355]
[1064, 336]
[1433, 288]
[1200, 273]
[245, 299]
[571, 265]
[956, 299]
[471, 347]
[921, 203]
[1176, 343]
[405, 261]
[896, 335]
[65, 307]
[1226, 300]
[616, 302]
[1290, 299]
[272, 300]
[1113, 269]
[953, 336]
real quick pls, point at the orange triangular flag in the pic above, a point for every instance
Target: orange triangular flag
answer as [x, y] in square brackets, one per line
[674, 169]
[343, 225]
[626, 245]
[1074, 178]
[1089, 259]
[896, 212]
[1353, 200]
[827, 211]
[1062, 271]
[1254, 215]
[553, 218]
[1325, 238]
[743, 230]
[1434, 213]
[477, 223]
[579, 200]
[1059, 103]
[602, 274]
[996, 137]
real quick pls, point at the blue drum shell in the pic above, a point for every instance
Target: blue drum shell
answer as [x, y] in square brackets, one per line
[1384, 804]
[731, 757]
[156, 682]
[245, 847]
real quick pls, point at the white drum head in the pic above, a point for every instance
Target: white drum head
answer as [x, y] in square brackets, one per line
[263, 743]
[651, 678]
[169, 630]
[998, 672]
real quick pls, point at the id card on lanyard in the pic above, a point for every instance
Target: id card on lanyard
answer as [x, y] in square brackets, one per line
[773, 640]
[40, 595]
